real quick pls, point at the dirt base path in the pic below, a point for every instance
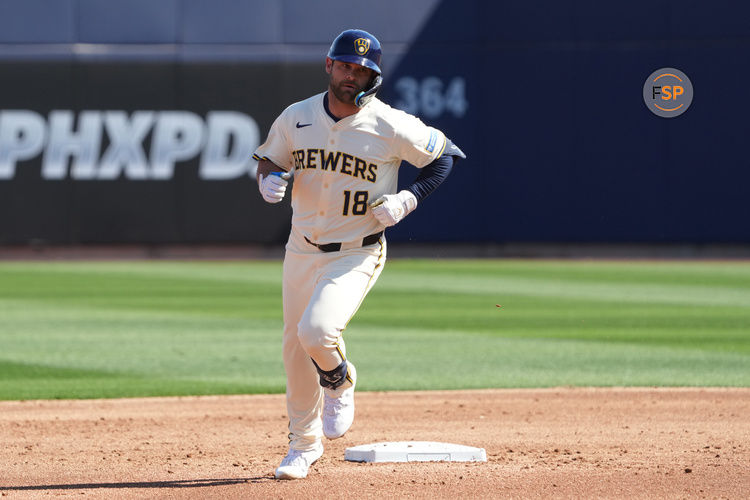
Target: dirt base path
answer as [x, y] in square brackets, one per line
[647, 443]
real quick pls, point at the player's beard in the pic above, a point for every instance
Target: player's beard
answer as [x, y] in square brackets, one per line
[343, 93]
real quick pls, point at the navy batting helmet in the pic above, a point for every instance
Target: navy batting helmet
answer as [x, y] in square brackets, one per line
[358, 47]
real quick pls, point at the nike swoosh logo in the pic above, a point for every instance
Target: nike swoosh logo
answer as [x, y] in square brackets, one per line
[300, 125]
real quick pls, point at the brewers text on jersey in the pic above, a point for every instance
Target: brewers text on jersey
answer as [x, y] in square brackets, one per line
[331, 160]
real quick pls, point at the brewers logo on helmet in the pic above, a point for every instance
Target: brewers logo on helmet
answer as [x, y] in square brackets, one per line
[361, 45]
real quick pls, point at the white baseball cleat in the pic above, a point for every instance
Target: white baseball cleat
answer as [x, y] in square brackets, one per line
[338, 406]
[297, 463]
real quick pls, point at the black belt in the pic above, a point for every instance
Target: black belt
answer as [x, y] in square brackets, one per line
[335, 247]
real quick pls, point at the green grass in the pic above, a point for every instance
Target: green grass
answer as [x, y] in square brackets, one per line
[110, 329]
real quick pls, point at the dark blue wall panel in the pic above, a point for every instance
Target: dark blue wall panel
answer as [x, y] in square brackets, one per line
[37, 21]
[520, 21]
[320, 21]
[563, 147]
[229, 21]
[134, 21]
[716, 20]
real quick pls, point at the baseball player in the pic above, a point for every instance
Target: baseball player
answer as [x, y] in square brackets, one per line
[343, 147]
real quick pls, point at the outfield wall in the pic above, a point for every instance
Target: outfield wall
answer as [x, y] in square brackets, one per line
[132, 122]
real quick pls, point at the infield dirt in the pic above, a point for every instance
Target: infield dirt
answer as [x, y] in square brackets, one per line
[541, 443]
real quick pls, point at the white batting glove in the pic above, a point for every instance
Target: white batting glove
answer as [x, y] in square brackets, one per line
[273, 187]
[389, 209]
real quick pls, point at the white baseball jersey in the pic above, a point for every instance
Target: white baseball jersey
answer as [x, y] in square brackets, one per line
[341, 166]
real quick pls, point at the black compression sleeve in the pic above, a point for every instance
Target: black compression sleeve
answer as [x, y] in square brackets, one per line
[431, 176]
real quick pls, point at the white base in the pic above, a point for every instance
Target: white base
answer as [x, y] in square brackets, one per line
[414, 451]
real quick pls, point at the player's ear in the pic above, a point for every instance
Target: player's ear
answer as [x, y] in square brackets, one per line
[329, 65]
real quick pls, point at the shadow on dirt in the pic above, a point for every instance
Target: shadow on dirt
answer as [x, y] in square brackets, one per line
[189, 483]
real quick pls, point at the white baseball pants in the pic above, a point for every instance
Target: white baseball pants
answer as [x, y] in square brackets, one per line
[321, 291]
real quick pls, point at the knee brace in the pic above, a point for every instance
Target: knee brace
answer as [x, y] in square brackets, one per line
[332, 379]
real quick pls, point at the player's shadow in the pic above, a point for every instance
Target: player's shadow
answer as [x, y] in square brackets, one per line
[188, 483]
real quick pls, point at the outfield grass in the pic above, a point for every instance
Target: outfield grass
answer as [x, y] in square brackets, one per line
[75, 330]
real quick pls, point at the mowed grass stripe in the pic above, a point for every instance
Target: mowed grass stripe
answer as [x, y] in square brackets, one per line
[724, 329]
[721, 272]
[613, 283]
[457, 361]
[30, 381]
[160, 328]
